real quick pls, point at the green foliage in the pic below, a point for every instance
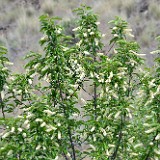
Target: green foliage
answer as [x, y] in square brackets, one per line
[3, 69]
[121, 118]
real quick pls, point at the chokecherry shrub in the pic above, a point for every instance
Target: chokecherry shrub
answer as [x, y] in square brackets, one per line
[118, 116]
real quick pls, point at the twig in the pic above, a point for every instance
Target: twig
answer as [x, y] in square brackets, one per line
[83, 157]
[150, 149]
[64, 155]
[69, 129]
[111, 48]
[95, 91]
[122, 122]
[19, 100]
[78, 87]
[2, 105]
[87, 92]
[95, 99]
[72, 144]
[118, 143]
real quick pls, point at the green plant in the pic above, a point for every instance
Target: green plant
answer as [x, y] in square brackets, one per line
[119, 121]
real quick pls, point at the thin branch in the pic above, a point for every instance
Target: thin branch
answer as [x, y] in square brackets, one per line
[69, 129]
[95, 99]
[118, 143]
[78, 87]
[2, 105]
[64, 155]
[111, 48]
[72, 144]
[38, 89]
[20, 101]
[83, 157]
[95, 90]
[87, 92]
[129, 85]
[122, 122]
[148, 154]
[150, 149]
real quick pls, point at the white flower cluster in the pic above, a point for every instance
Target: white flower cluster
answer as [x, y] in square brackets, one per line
[10, 152]
[26, 124]
[100, 54]
[97, 23]
[11, 131]
[17, 91]
[129, 113]
[5, 135]
[92, 147]
[128, 32]
[83, 101]
[45, 68]
[132, 62]
[131, 139]
[157, 137]
[138, 145]
[131, 51]
[29, 115]
[89, 32]
[38, 120]
[151, 130]
[30, 81]
[65, 48]
[121, 74]
[43, 124]
[86, 53]
[44, 38]
[4, 69]
[78, 70]
[76, 29]
[110, 77]
[151, 83]
[38, 147]
[117, 115]
[157, 151]
[103, 131]
[50, 128]
[115, 35]
[85, 35]
[78, 44]
[33, 75]
[153, 94]
[155, 52]
[93, 128]
[58, 30]
[2, 94]
[99, 77]
[114, 28]
[9, 63]
[37, 66]
[50, 113]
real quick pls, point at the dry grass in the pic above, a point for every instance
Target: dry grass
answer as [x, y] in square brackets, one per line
[154, 10]
[22, 35]
[48, 7]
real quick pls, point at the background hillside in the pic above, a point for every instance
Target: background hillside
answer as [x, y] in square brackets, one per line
[19, 24]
